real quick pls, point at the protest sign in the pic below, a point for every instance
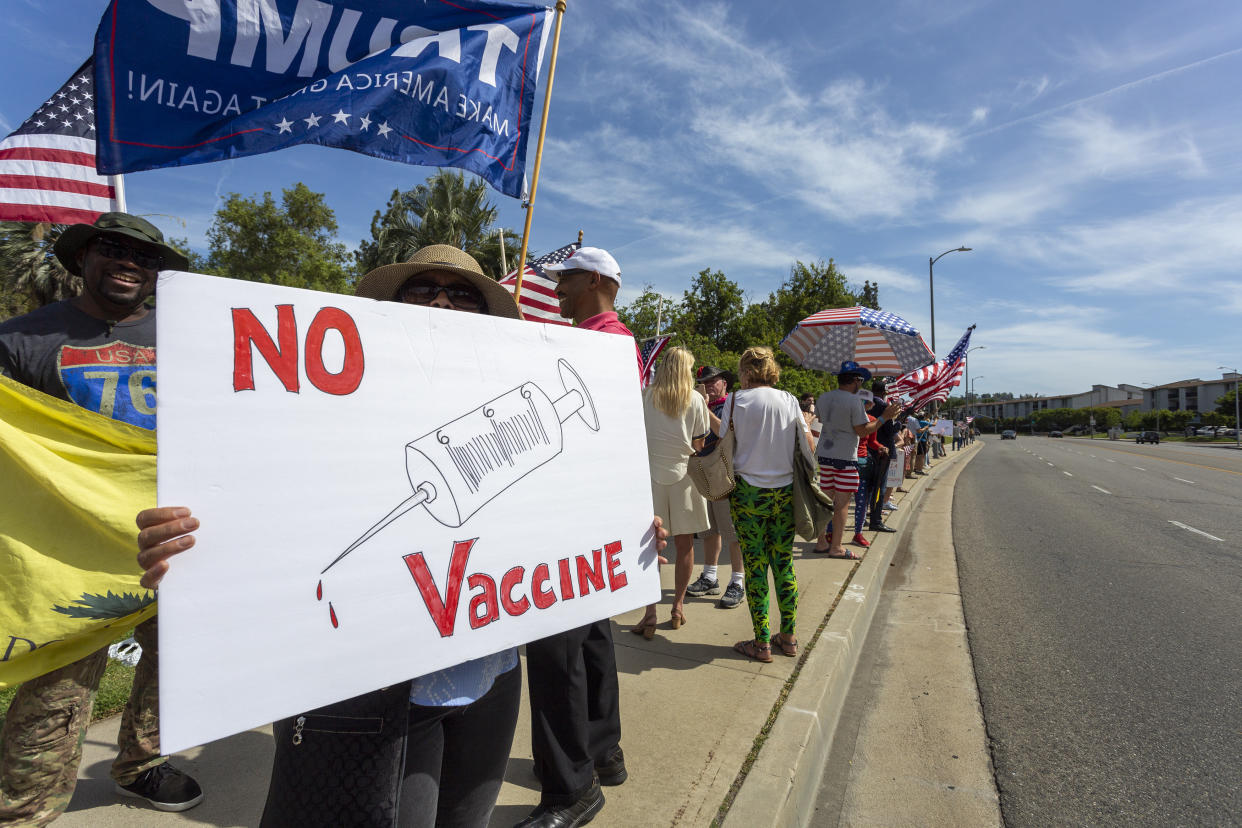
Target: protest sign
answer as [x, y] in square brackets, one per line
[438, 83]
[942, 428]
[385, 490]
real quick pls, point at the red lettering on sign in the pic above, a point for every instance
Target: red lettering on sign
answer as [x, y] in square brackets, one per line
[543, 598]
[590, 576]
[283, 359]
[616, 579]
[512, 578]
[483, 608]
[567, 582]
[443, 610]
[345, 382]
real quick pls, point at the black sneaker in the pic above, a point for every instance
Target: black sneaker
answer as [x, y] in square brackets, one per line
[703, 586]
[611, 771]
[165, 787]
[733, 595]
[567, 816]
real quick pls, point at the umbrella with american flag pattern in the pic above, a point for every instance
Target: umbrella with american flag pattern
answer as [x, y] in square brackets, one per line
[882, 342]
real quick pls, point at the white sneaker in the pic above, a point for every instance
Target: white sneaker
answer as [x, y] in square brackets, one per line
[890, 506]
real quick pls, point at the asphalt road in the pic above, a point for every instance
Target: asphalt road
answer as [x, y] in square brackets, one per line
[1102, 590]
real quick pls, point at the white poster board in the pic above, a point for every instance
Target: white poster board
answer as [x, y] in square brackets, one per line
[942, 428]
[385, 490]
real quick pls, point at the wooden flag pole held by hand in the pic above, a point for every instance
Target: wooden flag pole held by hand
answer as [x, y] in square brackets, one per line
[534, 180]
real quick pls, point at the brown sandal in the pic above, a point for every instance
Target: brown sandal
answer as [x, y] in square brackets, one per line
[677, 619]
[646, 627]
[787, 643]
[753, 649]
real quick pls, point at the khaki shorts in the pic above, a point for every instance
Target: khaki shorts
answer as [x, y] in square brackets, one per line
[721, 522]
[680, 506]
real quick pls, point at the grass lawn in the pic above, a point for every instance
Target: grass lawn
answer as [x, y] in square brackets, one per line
[113, 692]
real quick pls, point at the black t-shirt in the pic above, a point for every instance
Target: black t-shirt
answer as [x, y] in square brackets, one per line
[105, 367]
[887, 432]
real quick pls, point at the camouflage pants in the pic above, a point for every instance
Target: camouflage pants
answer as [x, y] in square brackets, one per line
[41, 745]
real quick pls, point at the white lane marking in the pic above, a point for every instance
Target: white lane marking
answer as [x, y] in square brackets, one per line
[1067, 474]
[1091, 455]
[1048, 464]
[1184, 480]
[1140, 468]
[1105, 491]
[1109, 460]
[1196, 531]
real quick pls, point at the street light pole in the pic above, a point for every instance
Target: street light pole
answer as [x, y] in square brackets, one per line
[972, 393]
[1237, 420]
[931, 288]
[967, 358]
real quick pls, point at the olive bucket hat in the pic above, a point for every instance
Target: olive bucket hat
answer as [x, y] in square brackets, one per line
[383, 282]
[115, 224]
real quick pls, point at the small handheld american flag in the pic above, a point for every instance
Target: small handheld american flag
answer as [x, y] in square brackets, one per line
[47, 165]
[648, 353]
[538, 299]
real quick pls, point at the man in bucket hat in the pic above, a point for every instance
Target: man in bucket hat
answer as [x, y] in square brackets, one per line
[844, 417]
[96, 350]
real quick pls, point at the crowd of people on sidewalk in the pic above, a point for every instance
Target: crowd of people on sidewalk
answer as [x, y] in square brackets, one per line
[439, 757]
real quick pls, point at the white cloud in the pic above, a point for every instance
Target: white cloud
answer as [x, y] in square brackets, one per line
[978, 115]
[888, 278]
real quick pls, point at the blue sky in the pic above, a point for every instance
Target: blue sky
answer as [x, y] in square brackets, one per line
[1090, 154]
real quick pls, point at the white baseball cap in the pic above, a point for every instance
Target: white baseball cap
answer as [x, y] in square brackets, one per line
[594, 259]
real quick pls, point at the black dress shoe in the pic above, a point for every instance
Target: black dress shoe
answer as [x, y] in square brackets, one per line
[611, 771]
[883, 527]
[567, 816]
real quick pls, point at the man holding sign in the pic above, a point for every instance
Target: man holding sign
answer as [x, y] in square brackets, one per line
[96, 350]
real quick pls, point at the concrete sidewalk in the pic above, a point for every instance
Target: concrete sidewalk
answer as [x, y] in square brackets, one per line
[708, 734]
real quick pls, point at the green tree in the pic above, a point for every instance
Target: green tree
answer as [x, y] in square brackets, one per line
[870, 295]
[291, 243]
[650, 308]
[712, 308]
[808, 288]
[32, 276]
[447, 208]
[1224, 405]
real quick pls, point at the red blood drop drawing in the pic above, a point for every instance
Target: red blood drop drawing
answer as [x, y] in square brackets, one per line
[332, 614]
[319, 592]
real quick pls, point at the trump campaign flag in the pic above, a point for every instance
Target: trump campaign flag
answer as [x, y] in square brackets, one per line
[444, 83]
[47, 165]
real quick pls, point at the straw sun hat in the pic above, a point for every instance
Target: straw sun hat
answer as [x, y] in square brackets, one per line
[383, 282]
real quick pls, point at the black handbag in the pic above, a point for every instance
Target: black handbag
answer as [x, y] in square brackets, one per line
[340, 766]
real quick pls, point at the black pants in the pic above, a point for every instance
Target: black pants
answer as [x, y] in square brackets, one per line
[877, 474]
[575, 720]
[455, 757]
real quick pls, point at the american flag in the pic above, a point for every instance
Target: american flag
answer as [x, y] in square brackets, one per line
[648, 353]
[538, 299]
[932, 383]
[882, 342]
[47, 165]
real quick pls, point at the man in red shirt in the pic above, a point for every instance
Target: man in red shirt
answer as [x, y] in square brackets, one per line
[575, 719]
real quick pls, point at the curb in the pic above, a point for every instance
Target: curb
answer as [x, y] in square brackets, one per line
[781, 787]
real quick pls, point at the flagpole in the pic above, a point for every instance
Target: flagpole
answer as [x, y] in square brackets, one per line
[504, 265]
[118, 184]
[534, 181]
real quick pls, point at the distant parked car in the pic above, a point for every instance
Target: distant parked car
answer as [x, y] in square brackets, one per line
[1009, 434]
[1147, 437]
[1055, 434]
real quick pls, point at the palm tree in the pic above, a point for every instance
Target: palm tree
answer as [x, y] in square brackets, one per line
[446, 209]
[32, 276]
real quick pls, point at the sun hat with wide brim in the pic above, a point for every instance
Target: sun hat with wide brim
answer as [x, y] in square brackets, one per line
[384, 282]
[115, 224]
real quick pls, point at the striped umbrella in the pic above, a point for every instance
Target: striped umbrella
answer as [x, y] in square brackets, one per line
[882, 342]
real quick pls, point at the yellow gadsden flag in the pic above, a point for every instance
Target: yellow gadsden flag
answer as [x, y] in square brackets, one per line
[71, 482]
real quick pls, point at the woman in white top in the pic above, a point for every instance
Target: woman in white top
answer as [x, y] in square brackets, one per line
[677, 422]
[769, 428]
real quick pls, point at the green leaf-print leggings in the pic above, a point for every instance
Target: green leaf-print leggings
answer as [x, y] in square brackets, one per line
[764, 522]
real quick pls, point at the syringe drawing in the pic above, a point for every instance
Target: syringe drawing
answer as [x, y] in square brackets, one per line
[466, 463]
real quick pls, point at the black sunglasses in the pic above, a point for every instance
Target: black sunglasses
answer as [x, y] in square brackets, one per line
[112, 249]
[423, 291]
